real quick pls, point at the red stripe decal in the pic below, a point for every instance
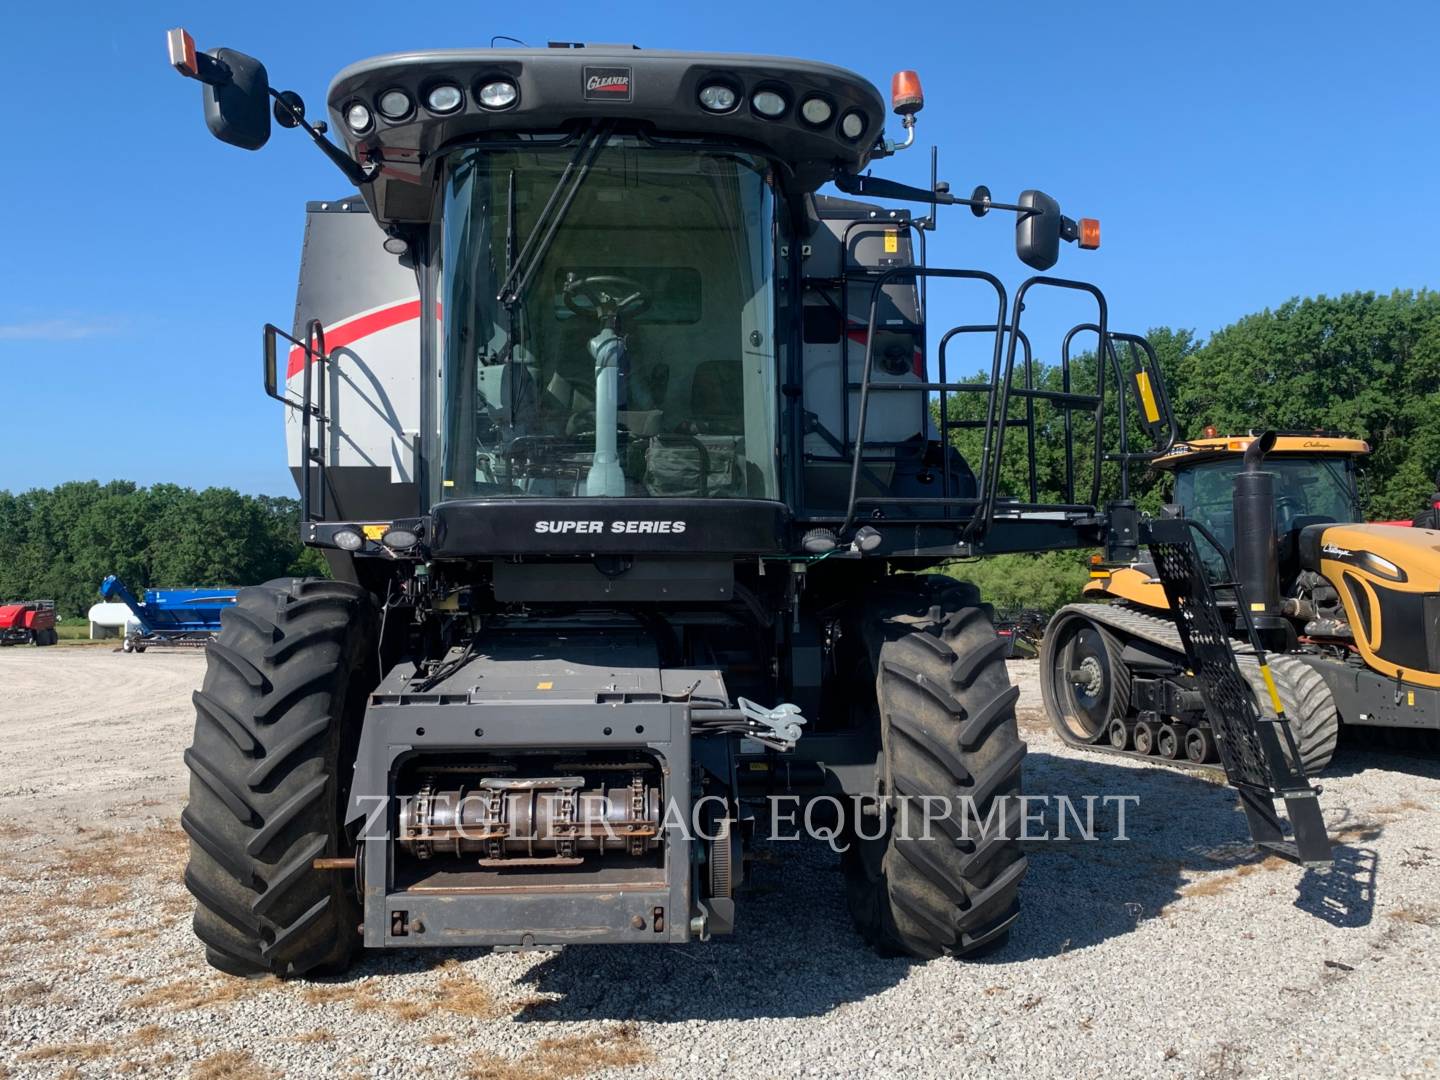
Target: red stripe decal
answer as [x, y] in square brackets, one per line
[347, 333]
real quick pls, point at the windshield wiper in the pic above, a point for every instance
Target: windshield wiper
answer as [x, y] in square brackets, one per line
[532, 254]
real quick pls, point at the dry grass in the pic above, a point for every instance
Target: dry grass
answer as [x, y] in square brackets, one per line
[568, 1057]
[454, 992]
[319, 1035]
[230, 1065]
[438, 1038]
[1416, 914]
[193, 993]
[30, 990]
[71, 1051]
[1216, 884]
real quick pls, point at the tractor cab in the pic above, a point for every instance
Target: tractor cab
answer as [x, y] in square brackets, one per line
[1315, 483]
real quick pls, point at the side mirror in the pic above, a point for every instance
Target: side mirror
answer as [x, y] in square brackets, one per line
[270, 362]
[236, 93]
[1037, 230]
[238, 111]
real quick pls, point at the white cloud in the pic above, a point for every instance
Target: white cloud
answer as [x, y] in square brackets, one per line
[58, 329]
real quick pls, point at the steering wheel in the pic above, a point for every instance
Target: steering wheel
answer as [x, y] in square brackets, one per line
[607, 296]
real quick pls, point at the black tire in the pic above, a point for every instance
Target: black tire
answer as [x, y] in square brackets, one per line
[947, 715]
[1080, 712]
[1309, 706]
[276, 725]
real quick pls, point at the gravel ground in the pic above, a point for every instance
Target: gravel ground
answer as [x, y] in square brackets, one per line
[1175, 953]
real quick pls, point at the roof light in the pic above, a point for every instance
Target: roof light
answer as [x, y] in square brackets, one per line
[1211, 431]
[445, 98]
[906, 97]
[769, 103]
[852, 125]
[358, 118]
[816, 111]
[1089, 233]
[500, 94]
[395, 104]
[717, 97]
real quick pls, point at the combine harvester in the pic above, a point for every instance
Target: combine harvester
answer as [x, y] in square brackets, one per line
[175, 617]
[635, 532]
[28, 622]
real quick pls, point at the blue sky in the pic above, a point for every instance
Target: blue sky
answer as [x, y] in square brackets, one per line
[1236, 154]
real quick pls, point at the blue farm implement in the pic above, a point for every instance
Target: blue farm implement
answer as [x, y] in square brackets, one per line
[169, 616]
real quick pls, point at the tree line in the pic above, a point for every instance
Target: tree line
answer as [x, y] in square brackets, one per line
[1362, 364]
[60, 543]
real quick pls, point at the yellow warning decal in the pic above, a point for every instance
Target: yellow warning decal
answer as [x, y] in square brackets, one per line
[1410, 698]
[1270, 686]
[544, 686]
[892, 241]
[1147, 396]
[1257, 607]
[375, 531]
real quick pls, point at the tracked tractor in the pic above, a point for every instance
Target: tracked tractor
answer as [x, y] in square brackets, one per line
[1349, 612]
[631, 455]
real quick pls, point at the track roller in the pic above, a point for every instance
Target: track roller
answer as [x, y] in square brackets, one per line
[1199, 746]
[1144, 737]
[1119, 735]
[1170, 741]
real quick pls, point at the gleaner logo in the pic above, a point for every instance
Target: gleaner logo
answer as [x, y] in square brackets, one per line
[607, 83]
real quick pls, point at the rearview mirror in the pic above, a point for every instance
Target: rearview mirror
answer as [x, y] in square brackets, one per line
[1037, 230]
[237, 110]
[271, 363]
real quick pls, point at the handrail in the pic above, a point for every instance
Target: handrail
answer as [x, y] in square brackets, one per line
[917, 272]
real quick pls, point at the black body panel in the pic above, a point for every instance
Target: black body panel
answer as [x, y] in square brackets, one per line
[486, 527]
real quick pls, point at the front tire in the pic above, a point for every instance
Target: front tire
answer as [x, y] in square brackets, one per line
[947, 716]
[276, 724]
[1309, 706]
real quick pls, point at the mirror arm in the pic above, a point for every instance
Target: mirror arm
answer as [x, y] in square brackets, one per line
[880, 188]
[356, 173]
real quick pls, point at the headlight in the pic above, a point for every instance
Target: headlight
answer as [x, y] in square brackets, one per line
[816, 111]
[358, 118]
[400, 539]
[395, 104]
[348, 539]
[444, 99]
[852, 125]
[768, 103]
[717, 97]
[500, 94]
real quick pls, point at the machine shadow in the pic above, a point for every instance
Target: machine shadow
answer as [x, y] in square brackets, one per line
[1415, 753]
[795, 954]
[1078, 893]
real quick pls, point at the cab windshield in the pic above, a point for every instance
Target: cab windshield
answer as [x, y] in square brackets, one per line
[632, 351]
[1317, 488]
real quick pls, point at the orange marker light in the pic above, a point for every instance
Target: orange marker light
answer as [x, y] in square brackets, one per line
[906, 97]
[182, 52]
[1089, 233]
[1211, 431]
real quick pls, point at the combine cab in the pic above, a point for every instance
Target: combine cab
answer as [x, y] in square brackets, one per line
[630, 452]
[30, 622]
